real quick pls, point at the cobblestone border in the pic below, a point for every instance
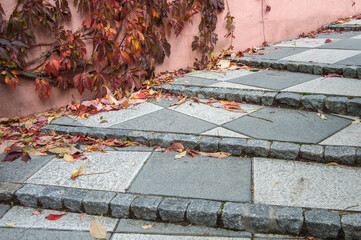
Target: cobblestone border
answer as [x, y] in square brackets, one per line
[314, 102]
[347, 155]
[345, 27]
[254, 218]
[348, 71]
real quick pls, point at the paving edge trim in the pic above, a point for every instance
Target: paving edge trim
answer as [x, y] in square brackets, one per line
[327, 103]
[349, 71]
[254, 218]
[345, 27]
[347, 155]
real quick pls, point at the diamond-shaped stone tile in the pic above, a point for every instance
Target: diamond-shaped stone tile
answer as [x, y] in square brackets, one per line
[287, 125]
[207, 113]
[304, 42]
[332, 86]
[166, 121]
[276, 52]
[355, 60]
[310, 185]
[274, 79]
[115, 117]
[350, 136]
[222, 132]
[68, 121]
[110, 171]
[226, 179]
[322, 55]
[236, 86]
[349, 44]
[221, 76]
[194, 81]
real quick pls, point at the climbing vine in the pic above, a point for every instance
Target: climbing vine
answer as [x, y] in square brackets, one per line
[127, 38]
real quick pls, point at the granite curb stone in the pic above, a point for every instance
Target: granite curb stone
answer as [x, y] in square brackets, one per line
[341, 154]
[289, 219]
[268, 98]
[336, 104]
[258, 148]
[232, 145]
[259, 218]
[209, 144]
[354, 107]
[284, 150]
[322, 224]
[203, 212]
[306, 68]
[253, 96]
[140, 137]
[7, 191]
[312, 152]
[188, 141]
[358, 156]
[173, 210]
[351, 226]
[333, 69]
[28, 195]
[120, 205]
[233, 216]
[146, 207]
[73, 199]
[52, 197]
[350, 71]
[97, 202]
[313, 102]
[289, 99]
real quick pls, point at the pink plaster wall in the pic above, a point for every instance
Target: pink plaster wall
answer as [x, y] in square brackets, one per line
[287, 19]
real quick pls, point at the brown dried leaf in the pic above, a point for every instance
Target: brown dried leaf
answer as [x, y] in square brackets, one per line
[69, 158]
[216, 154]
[97, 230]
[180, 155]
[179, 102]
[147, 226]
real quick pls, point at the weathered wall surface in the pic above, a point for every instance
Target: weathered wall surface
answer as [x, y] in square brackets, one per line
[286, 19]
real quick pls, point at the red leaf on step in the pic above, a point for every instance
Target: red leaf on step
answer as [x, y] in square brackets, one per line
[53, 217]
[328, 41]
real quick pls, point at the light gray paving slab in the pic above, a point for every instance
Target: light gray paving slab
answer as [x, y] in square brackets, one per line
[304, 42]
[275, 236]
[119, 236]
[355, 60]
[346, 44]
[331, 86]
[353, 22]
[274, 79]
[337, 35]
[208, 113]
[115, 171]
[276, 52]
[322, 55]
[3, 209]
[167, 121]
[194, 81]
[115, 117]
[287, 125]
[357, 37]
[236, 86]
[18, 170]
[24, 218]
[310, 185]
[135, 226]
[68, 121]
[350, 136]
[222, 132]
[40, 234]
[221, 75]
[226, 179]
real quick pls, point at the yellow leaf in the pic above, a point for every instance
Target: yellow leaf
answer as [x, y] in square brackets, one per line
[97, 230]
[62, 149]
[50, 119]
[180, 155]
[69, 158]
[357, 121]
[322, 116]
[331, 164]
[77, 173]
[223, 64]
[147, 226]
[112, 100]
[10, 224]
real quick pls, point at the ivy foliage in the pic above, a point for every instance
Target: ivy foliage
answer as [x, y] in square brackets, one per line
[128, 38]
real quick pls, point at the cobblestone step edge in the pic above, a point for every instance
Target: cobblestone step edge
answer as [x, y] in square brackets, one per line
[254, 218]
[347, 155]
[349, 71]
[327, 103]
[345, 27]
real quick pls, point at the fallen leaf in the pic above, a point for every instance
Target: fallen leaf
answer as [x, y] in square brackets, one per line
[36, 213]
[69, 158]
[5, 144]
[179, 102]
[50, 119]
[78, 172]
[322, 116]
[230, 103]
[62, 149]
[147, 226]
[125, 104]
[328, 41]
[223, 64]
[37, 152]
[176, 147]
[10, 224]
[357, 121]
[180, 155]
[216, 154]
[54, 217]
[331, 164]
[97, 230]
[103, 121]
[140, 96]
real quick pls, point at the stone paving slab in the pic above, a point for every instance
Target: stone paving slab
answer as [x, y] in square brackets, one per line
[350, 136]
[309, 185]
[40, 234]
[135, 226]
[24, 218]
[236, 86]
[346, 44]
[3, 209]
[223, 132]
[116, 171]
[225, 179]
[331, 86]
[305, 42]
[287, 125]
[322, 55]
[220, 76]
[19, 171]
[118, 236]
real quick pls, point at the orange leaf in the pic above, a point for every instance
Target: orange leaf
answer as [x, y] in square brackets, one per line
[53, 217]
[179, 102]
[140, 96]
[230, 103]
[176, 147]
[125, 57]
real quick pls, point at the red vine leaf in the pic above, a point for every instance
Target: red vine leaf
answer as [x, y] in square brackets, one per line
[54, 217]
